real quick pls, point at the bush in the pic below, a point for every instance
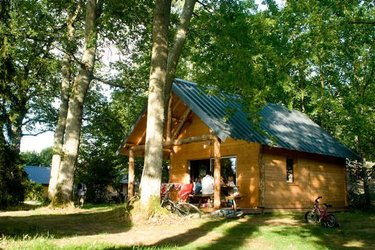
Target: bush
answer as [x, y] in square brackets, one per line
[358, 185]
[12, 177]
[34, 191]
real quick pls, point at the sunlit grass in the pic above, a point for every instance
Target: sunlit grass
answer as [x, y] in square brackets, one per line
[105, 228]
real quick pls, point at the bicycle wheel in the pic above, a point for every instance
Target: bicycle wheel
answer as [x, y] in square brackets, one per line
[311, 217]
[167, 204]
[187, 209]
[330, 221]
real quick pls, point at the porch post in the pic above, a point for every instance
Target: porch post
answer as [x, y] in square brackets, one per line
[131, 174]
[217, 174]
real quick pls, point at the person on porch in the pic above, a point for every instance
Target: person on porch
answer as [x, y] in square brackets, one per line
[198, 185]
[208, 183]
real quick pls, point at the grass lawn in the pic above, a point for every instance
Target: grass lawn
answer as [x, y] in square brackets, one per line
[105, 227]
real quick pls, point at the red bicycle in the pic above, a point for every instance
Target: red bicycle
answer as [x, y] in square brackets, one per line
[319, 214]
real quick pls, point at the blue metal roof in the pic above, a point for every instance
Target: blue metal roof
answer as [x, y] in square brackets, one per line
[280, 127]
[38, 174]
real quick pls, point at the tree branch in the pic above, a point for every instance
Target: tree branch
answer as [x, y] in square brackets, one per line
[38, 133]
[110, 83]
[205, 6]
[114, 84]
[370, 22]
[175, 52]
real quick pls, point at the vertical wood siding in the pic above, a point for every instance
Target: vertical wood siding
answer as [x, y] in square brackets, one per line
[247, 155]
[312, 178]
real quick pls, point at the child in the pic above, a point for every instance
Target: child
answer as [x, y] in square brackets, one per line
[230, 181]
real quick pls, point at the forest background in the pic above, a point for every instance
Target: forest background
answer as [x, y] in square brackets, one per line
[314, 56]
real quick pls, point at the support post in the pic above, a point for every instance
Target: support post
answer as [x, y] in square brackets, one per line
[131, 174]
[217, 174]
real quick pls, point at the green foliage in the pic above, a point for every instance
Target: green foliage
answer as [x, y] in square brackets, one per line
[105, 126]
[359, 180]
[329, 62]
[43, 158]
[34, 191]
[314, 56]
[229, 48]
[27, 74]
[12, 177]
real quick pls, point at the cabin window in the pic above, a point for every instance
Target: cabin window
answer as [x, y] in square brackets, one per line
[228, 168]
[289, 170]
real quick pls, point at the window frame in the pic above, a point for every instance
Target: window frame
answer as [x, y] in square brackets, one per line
[223, 158]
[290, 170]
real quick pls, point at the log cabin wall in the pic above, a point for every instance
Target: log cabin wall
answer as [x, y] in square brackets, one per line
[313, 177]
[247, 155]
[261, 170]
[327, 180]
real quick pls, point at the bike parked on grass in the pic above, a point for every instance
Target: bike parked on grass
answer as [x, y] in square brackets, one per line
[179, 208]
[319, 214]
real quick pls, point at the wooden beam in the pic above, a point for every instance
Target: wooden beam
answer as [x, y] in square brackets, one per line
[131, 175]
[182, 122]
[217, 172]
[179, 142]
[193, 139]
[137, 147]
[141, 138]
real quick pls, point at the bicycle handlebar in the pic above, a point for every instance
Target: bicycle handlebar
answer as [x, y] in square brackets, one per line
[316, 200]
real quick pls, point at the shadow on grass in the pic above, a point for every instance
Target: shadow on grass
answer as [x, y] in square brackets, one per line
[234, 237]
[279, 231]
[192, 234]
[356, 231]
[24, 207]
[234, 234]
[87, 222]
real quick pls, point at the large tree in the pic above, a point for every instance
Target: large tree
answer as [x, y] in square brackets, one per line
[151, 177]
[93, 10]
[162, 72]
[67, 72]
[108, 25]
[27, 33]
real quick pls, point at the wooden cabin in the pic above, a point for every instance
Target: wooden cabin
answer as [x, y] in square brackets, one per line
[284, 162]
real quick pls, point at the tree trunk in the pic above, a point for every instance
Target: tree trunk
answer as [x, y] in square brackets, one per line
[63, 109]
[163, 69]
[178, 45]
[151, 176]
[75, 111]
[131, 174]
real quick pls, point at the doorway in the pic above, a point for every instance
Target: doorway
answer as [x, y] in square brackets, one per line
[198, 168]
